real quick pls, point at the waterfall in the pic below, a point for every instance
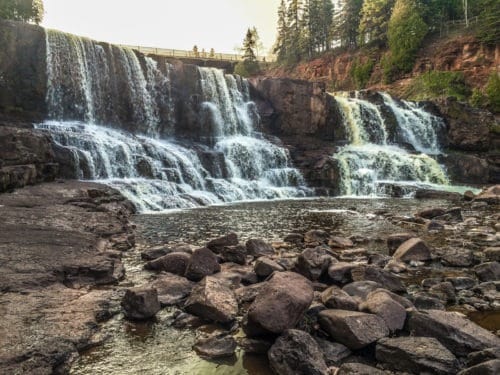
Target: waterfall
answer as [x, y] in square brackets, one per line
[113, 112]
[370, 165]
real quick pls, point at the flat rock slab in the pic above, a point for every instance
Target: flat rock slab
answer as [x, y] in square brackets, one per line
[215, 347]
[417, 355]
[453, 330]
[353, 329]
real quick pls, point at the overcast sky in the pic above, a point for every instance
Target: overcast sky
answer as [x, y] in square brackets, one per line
[180, 24]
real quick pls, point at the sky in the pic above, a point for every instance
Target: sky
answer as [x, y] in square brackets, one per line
[179, 24]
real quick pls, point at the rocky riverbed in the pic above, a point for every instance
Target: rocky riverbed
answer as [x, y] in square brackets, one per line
[356, 287]
[60, 243]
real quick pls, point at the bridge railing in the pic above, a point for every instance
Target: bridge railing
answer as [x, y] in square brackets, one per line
[177, 53]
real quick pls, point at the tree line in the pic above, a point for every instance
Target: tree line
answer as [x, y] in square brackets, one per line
[309, 27]
[22, 10]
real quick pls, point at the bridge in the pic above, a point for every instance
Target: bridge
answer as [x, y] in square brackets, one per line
[183, 54]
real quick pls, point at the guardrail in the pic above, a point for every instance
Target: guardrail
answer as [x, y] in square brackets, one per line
[177, 53]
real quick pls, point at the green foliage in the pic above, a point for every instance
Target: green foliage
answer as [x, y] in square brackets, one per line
[478, 98]
[435, 84]
[249, 45]
[488, 29]
[374, 21]
[406, 32]
[247, 68]
[347, 23]
[22, 10]
[361, 72]
[493, 92]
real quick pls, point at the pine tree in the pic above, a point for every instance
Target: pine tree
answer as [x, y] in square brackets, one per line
[22, 10]
[280, 47]
[346, 28]
[249, 44]
[374, 21]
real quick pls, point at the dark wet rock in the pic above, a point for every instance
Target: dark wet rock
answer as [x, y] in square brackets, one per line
[313, 262]
[469, 196]
[212, 300]
[247, 294]
[340, 242]
[380, 276]
[255, 345]
[381, 304]
[453, 330]
[396, 240]
[333, 352]
[175, 263]
[154, 253]
[279, 305]
[140, 303]
[234, 254]
[264, 267]
[172, 289]
[405, 302]
[423, 301]
[359, 369]
[492, 254]
[430, 213]
[437, 194]
[453, 214]
[434, 225]
[259, 248]
[336, 298]
[413, 249]
[416, 355]
[458, 257]
[353, 329]
[461, 282]
[360, 289]
[296, 353]
[491, 367]
[489, 271]
[185, 320]
[489, 195]
[445, 291]
[245, 272]
[316, 237]
[379, 260]
[217, 244]
[202, 263]
[476, 358]
[430, 282]
[341, 272]
[215, 347]
[395, 266]
[295, 238]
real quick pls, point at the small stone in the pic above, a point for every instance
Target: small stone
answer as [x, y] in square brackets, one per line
[259, 248]
[360, 289]
[202, 263]
[426, 302]
[359, 369]
[491, 367]
[462, 283]
[254, 346]
[380, 276]
[336, 298]
[492, 254]
[172, 289]
[316, 237]
[333, 352]
[475, 358]
[413, 249]
[313, 262]
[215, 347]
[445, 291]
[217, 244]
[341, 272]
[264, 267]
[395, 240]
[429, 213]
[340, 242]
[175, 263]
[295, 238]
[489, 271]
[140, 303]
[234, 254]
[381, 304]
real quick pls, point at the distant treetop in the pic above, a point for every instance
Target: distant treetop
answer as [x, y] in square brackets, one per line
[22, 10]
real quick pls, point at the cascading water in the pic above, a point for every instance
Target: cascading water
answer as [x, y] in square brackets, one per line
[97, 92]
[370, 165]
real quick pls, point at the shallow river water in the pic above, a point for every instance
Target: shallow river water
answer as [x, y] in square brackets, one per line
[158, 348]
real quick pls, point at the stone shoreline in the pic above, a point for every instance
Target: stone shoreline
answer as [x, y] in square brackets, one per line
[58, 243]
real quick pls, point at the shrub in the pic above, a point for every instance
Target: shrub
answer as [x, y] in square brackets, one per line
[435, 84]
[247, 68]
[493, 92]
[361, 72]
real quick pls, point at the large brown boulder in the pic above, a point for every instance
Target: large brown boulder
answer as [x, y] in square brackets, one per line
[279, 305]
[414, 249]
[175, 263]
[202, 263]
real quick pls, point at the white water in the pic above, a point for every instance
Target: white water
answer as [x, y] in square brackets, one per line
[85, 79]
[370, 165]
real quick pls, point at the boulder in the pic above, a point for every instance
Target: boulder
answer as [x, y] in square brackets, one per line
[405, 302]
[336, 298]
[175, 263]
[492, 254]
[458, 257]
[341, 272]
[255, 345]
[423, 301]
[489, 271]
[264, 267]
[217, 244]
[380, 276]
[234, 254]
[382, 305]
[353, 329]
[202, 263]
[340, 242]
[296, 353]
[215, 346]
[489, 195]
[333, 352]
[445, 291]
[413, 249]
[295, 238]
[416, 355]
[396, 240]
[172, 289]
[313, 262]
[359, 369]
[476, 358]
[453, 330]
[360, 289]
[491, 367]
[279, 305]
[212, 300]
[430, 213]
[316, 237]
[259, 248]
[140, 303]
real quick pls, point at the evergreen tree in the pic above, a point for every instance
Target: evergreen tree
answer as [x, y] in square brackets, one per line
[374, 21]
[295, 45]
[249, 44]
[346, 29]
[22, 10]
[280, 47]
[488, 29]
[326, 23]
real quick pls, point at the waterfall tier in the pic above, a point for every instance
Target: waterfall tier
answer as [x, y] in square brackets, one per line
[115, 115]
[375, 158]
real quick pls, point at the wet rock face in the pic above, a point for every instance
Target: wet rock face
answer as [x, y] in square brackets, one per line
[296, 353]
[140, 303]
[417, 355]
[279, 305]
